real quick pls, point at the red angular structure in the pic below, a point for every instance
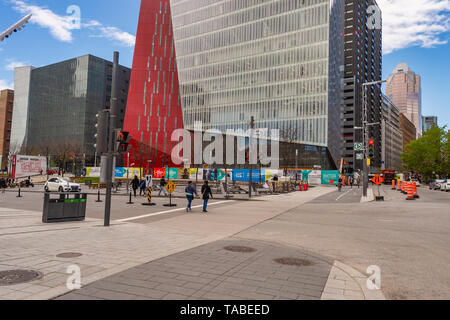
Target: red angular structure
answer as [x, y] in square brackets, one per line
[153, 108]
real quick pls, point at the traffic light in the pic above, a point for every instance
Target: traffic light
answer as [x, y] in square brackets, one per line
[101, 137]
[371, 149]
[123, 142]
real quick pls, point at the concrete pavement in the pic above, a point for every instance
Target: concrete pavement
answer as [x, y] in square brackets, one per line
[27, 243]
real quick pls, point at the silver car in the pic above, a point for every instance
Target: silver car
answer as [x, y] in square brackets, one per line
[62, 185]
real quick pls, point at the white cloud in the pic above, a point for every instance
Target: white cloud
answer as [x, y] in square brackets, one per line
[61, 27]
[117, 35]
[4, 84]
[12, 64]
[409, 23]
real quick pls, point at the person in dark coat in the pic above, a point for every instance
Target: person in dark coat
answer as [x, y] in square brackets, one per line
[206, 194]
[190, 191]
[135, 184]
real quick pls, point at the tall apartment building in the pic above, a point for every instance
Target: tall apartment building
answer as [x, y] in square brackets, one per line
[428, 122]
[408, 128]
[391, 136]
[58, 103]
[278, 61]
[363, 59]
[6, 113]
[404, 90]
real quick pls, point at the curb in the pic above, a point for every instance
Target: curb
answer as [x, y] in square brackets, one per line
[346, 283]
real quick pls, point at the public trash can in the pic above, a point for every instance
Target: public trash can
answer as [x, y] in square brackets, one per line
[63, 207]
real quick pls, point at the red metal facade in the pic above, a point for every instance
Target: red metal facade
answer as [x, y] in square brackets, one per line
[153, 107]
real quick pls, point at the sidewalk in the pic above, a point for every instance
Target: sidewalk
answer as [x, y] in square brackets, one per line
[25, 243]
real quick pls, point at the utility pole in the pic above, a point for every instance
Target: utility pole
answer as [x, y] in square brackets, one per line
[113, 125]
[250, 178]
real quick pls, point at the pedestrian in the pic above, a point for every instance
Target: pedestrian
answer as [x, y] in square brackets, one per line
[3, 185]
[142, 187]
[190, 191]
[162, 187]
[352, 181]
[206, 194]
[358, 181]
[135, 184]
[340, 184]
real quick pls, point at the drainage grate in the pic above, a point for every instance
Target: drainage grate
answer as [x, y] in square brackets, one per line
[12, 277]
[293, 262]
[69, 255]
[239, 249]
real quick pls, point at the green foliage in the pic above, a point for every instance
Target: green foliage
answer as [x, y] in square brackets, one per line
[429, 155]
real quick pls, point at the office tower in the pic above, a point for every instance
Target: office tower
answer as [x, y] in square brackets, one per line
[6, 111]
[57, 104]
[391, 136]
[363, 59]
[404, 90]
[277, 61]
[428, 122]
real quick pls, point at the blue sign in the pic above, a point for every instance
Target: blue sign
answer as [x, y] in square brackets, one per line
[243, 175]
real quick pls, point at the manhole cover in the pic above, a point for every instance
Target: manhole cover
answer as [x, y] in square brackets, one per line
[294, 262]
[69, 255]
[11, 277]
[239, 249]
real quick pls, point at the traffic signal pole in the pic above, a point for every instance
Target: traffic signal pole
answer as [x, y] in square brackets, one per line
[113, 125]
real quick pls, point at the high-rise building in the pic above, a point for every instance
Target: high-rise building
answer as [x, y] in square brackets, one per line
[429, 122]
[58, 103]
[391, 136]
[408, 128]
[404, 90]
[363, 59]
[6, 112]
[280, 62]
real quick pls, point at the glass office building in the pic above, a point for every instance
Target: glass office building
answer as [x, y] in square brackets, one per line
[278, 61]
[59, 102]
[222, 62]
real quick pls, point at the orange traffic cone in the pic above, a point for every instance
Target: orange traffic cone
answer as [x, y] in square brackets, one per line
[399, 186]
[410, 191]
[393, 184]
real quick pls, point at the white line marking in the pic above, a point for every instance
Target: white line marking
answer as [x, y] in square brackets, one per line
[342, 195]
[168, 211]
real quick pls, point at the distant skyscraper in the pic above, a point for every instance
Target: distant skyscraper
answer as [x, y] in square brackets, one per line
[428, 122]
[6, 111]
[404, 90]
[278, 61]
[363, 58]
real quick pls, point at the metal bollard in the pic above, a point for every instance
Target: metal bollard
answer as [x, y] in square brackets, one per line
[129, 201]
[19, 196]
[98, 196]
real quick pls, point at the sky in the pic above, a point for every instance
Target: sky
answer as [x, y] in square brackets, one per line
[415, 32]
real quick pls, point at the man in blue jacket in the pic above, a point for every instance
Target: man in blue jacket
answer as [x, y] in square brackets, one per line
[190, 191]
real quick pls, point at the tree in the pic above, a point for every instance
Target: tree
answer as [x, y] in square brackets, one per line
[428, 155]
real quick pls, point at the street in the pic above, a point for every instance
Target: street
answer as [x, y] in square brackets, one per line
[334, 230]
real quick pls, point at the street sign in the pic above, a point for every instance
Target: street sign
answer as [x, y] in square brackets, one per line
[170, 187]
[377, 180]
[148, 181]
[358, 146]
[359, 156]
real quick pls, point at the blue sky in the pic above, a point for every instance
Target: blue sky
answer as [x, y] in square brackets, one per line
[416, 32]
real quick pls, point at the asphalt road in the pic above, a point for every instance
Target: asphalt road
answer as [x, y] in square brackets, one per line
[408, 240]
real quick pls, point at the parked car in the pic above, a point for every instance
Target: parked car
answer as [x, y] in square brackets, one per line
[437, 184]
[445, 186]
[62, 185]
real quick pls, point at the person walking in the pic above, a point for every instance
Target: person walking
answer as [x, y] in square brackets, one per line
[352, 181]
[340, 184]
[206, 194]
[135, 184]
[142, 187]
[190, 191]
[358, 181]
[162, 185]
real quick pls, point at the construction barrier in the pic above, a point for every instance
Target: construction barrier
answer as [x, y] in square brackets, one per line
[399, 186]
[410, 191]
[416, 194]
[393, 184]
